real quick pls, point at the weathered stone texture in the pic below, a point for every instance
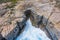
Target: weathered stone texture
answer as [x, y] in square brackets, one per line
[45, 8]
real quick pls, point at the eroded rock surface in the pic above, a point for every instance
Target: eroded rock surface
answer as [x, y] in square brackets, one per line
[45, 14]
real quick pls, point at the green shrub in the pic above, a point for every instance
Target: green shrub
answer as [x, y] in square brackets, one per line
[13, 1]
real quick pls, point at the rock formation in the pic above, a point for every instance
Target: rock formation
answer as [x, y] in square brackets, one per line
[46, 15]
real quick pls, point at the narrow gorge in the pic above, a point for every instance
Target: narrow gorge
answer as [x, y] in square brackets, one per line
[44, 15]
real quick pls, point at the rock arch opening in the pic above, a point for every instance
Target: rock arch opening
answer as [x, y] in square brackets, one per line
[28, 13]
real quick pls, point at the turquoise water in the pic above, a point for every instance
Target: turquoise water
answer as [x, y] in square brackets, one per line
[32, 33]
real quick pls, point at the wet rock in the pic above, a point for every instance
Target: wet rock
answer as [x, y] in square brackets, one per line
[49, 28]
[44, 20]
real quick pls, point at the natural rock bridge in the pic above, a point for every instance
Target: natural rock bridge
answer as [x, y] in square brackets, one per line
[45, 15]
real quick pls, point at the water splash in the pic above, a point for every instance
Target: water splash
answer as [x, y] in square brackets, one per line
[32, 33]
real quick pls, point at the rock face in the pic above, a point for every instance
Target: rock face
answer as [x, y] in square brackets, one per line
[8, 21]
[46, 15]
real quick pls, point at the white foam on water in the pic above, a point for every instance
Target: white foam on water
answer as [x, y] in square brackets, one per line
[32, 33]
